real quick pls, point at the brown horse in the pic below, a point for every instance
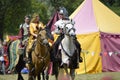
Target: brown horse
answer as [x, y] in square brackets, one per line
[40, 56]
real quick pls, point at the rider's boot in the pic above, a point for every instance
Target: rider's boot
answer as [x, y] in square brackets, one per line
[29, 52]
[29, 58]
[80, 58]
[78, 46]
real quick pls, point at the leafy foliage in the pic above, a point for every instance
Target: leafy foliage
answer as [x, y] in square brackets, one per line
[14, 15]
[40, 8]
[12, 12]
[70, 5]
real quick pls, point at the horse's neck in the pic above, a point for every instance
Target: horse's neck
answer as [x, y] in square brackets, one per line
[68, 44]
[40, 48]
[68, 40]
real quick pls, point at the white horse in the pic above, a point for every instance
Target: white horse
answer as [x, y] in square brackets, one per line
[69, 50]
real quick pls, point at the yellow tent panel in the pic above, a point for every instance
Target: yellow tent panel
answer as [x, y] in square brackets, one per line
[90, 44]
[107, 20]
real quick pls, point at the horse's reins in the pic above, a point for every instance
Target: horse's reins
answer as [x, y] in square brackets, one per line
[67, 35]
[41, 56]
[65, 51]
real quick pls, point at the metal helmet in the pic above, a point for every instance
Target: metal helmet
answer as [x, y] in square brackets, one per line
[62, 10]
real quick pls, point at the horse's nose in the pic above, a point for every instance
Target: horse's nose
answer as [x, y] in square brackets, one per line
[72, 34]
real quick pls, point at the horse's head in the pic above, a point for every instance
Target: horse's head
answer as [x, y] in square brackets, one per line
[42, 37]
[69, 29]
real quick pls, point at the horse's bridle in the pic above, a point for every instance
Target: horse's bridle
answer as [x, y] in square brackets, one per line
[67, 33]
[42, 39]
[65, 51]
[42, 45]
[42, 58]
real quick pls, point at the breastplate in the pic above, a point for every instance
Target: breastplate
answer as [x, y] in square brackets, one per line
[25, 28]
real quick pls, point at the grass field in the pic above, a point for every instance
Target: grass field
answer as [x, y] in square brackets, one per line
[99, 76]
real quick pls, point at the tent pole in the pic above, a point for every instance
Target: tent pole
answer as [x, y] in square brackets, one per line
[84, 62]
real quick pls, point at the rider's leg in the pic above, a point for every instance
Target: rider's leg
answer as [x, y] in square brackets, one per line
[79, 50]
[53, 55]
[56, 44]
[29, 50]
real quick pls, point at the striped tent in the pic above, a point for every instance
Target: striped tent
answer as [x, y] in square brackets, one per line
[98, 31]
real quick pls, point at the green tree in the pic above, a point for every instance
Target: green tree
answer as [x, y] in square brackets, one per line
[12, 13]
[70, 5]
[40, 8]
[3, 8]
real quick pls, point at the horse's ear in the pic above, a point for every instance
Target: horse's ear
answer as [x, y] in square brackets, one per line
[73, 22]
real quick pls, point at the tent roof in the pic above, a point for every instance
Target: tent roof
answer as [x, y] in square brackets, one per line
[93, 16]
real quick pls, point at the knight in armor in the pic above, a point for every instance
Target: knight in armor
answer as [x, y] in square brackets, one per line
[35, 25]
[24, 31]
[59, 25]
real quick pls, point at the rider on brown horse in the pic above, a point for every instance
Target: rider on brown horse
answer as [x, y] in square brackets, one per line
[35, 26]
